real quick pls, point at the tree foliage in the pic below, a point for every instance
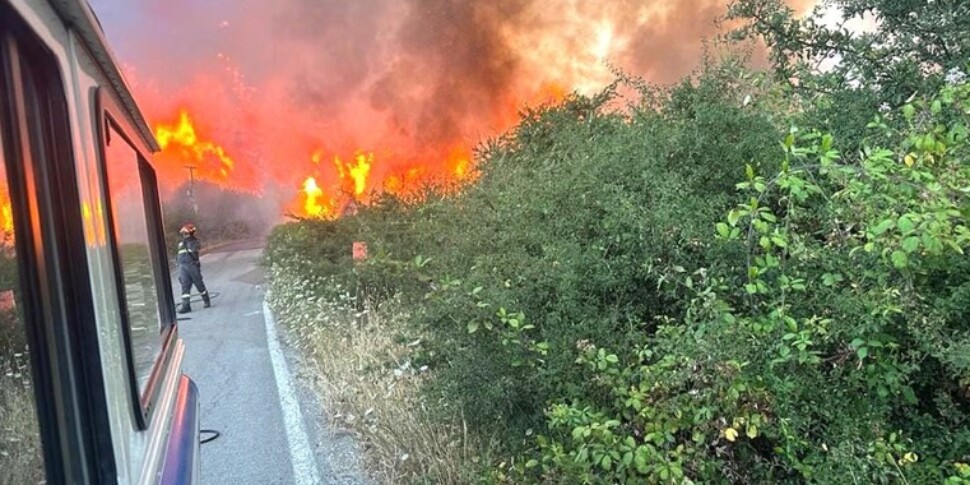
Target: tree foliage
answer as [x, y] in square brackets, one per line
[838, 348]
[909, 48]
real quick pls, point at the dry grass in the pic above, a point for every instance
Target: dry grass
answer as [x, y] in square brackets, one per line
[363, 374]
[367, 380]
[21, 458]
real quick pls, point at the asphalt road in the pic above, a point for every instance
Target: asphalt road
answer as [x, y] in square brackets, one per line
[272, 429]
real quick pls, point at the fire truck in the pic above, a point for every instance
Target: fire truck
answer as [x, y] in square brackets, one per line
[91, 381]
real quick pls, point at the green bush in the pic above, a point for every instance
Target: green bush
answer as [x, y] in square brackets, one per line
[576, 211]
[608, 304]
[568, 226]
[843, 351]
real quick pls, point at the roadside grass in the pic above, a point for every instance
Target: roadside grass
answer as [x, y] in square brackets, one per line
[21, 459]
[360, 364]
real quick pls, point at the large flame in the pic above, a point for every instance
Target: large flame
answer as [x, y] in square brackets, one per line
[407, 176]
[314, 198]
[6, 216]
[325, 189]
[355, 173]
[390, 97]
[181, 140]
[6, 213]
[359, 181]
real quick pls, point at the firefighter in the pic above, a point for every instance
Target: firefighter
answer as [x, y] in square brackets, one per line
[190, 268]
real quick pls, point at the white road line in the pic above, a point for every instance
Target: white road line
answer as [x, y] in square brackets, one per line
[301, 455]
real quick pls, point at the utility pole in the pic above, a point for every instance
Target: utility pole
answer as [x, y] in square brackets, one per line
[191, 192]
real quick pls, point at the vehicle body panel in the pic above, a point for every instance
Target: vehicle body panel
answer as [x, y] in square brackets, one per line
[69, 30]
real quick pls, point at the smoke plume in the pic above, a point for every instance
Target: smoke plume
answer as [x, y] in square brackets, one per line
[286, 87]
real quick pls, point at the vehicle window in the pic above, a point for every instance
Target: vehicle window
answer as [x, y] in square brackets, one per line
[21, 456]
[128, 210]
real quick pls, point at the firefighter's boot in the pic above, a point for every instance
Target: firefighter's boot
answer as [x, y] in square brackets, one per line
[206, 303]
[185, 307]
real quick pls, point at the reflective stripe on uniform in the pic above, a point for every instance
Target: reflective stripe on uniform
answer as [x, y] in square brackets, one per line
[183, 251]
[186, 295]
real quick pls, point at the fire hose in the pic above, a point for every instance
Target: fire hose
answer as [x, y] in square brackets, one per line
[215, 434]
[212, 295]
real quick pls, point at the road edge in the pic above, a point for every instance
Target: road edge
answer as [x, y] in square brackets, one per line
[304, 464]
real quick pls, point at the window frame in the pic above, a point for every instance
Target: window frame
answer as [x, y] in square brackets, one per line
[59, 319]
[110, 115]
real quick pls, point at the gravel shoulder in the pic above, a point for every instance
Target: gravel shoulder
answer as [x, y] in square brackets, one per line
[337, 450]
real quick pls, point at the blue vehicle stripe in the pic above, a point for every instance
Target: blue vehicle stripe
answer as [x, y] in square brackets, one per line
[183, 442]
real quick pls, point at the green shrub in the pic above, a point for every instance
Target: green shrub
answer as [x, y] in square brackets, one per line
[843, 351]
[609, 305]
[575, 212]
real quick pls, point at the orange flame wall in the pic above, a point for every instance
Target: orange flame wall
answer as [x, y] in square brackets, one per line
[327, 101]
[209, 158]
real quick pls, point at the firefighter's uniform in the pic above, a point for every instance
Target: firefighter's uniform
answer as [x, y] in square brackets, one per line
[190, 268]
